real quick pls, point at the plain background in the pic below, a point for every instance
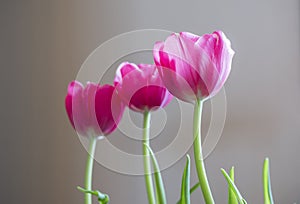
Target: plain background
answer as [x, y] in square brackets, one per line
[43, 44]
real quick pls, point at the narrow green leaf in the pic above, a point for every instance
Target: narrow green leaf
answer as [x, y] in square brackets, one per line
[102, 198]
[185, 185]
[231, 196]
[267, 183]
[233, 187]
[87, 191]
[197, 185]
[161, 195]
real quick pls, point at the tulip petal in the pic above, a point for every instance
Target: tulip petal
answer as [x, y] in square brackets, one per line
[156, 51]
[109, 108]
[68, 105]
[124, 69]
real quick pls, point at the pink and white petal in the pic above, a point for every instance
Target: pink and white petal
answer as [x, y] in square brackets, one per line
[80, 115]
[177, 84]
[189, 36]
[74, 87]
[123, 69]
[89, 98]
[158, 46]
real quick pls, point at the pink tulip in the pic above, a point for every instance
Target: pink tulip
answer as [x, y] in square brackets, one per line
[194, 67]
[141, 87]
[94, 110]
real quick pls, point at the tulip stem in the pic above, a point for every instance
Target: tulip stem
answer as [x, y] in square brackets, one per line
[89, 169]
[198, 154]
[147, 164]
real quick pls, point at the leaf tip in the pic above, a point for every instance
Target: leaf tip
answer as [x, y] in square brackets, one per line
[188, 157]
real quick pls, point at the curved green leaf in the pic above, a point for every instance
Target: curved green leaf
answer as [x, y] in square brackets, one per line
[231, 196]
[160, 190]
[233, 187]
[197, 185]
[102, 198]
[267, 183]
[185, 185]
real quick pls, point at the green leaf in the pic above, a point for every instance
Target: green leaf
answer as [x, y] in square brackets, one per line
[231, 196]
[102, 198]
[160, 190]
[267, 183]
[185, 185]
[197, 185]
[233, 187]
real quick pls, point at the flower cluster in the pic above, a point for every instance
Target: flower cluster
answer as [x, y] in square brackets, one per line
[192, 68]
[189, 67]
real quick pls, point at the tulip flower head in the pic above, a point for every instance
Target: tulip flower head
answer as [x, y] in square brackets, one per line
[93, 110]
[194, 67]
[141, 87]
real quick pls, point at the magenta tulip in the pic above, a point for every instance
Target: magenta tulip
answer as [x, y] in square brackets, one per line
[194, 67]
[142, 90]
[93, 110]
[141, 87]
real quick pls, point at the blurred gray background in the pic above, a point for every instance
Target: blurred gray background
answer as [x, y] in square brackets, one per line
[44, 43]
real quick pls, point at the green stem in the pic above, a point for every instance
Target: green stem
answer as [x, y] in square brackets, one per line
[198, 154]
[89, 170]
[147, 164]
